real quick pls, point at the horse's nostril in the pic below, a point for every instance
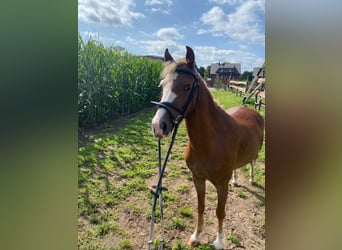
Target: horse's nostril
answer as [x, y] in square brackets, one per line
[163, 126]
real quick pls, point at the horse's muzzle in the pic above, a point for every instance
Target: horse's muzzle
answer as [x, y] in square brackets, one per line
[161, 124]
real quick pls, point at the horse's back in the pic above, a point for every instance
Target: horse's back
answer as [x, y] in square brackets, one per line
[246, 116]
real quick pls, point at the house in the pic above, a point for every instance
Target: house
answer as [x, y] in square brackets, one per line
[157, 58]
[224, 72]
[259, 70]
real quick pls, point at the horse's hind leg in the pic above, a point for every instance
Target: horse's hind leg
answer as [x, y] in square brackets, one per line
[200, 189]
[234, 179]
[251, 173]
[222, 192]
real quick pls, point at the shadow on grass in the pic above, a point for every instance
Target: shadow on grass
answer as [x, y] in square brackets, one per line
[260, 197]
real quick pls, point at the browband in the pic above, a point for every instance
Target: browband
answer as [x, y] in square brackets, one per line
[187, 71]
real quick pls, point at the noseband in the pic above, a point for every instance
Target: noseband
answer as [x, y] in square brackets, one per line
[182, 113]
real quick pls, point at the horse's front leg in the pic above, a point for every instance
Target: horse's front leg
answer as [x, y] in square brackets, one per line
[200, 189]
[222, 192]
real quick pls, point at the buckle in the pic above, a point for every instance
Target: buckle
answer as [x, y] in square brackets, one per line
[178, 119]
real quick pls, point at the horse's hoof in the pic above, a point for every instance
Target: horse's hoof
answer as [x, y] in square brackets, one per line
[235, 184]
[192, 243]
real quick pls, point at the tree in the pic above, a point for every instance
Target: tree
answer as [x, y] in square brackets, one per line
[246, 76]
[207, 72]
[218, 85]
[201, 71]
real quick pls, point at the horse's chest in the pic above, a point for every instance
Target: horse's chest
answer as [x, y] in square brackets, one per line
[205, 165]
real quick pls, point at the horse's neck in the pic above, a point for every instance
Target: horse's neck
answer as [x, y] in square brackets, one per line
[200, 123]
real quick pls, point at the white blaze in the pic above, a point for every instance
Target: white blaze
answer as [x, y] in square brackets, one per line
[168, 96]
[167, 83]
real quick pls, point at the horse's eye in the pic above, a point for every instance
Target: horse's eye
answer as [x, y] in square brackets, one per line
[187, 87]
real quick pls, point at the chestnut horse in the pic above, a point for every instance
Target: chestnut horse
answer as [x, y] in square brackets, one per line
[219, 141]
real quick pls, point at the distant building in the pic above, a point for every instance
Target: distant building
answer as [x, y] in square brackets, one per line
[157, 58]
[261, 74]
[224, 72]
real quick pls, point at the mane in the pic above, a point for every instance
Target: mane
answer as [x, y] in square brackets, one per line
[216, 103]
[171, 66]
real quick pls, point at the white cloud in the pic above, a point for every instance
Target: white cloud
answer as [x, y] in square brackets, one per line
[205, 55]
[230, 2]
[106, 12]
[164, 11]
[93, 35]
[131, 40]
[168, 34]
[244, 24]
[157, 47]
[215, 18]
[159, 41]
[159, 2]
[162, 6]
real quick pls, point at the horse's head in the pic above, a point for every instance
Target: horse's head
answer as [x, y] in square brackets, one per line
[179, 87]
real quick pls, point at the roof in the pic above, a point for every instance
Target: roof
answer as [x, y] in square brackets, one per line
[227, 71]
[153, 57]
[256, 70]
[225, 68]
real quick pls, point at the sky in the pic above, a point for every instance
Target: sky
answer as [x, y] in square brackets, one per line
[217, 30]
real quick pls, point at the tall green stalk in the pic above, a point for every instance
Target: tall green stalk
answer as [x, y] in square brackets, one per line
[112, 82]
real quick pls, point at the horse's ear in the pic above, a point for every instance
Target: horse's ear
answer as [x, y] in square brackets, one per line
[190, 57]
[167, 56]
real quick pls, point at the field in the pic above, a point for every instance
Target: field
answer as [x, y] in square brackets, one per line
[118, 166]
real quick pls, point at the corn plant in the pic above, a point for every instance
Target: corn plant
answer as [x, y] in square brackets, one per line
[112, 82]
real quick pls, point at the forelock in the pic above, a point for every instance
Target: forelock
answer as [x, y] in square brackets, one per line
[170, 67]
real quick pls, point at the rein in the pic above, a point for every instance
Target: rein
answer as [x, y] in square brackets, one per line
[157, 194]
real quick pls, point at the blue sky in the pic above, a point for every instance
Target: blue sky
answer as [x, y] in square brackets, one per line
[217, 30]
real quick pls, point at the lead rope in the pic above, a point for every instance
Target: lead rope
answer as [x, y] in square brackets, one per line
[158, 192]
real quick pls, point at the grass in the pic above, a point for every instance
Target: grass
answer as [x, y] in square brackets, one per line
[185, 211]
[113, 169]
[126, 244]
[241, 194]
[178, 223]
[221, 98]
[259, 175]
[183, 189]
[179, 245]
[234, 239]
[182, 246]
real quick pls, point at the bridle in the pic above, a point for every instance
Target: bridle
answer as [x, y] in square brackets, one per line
[183, 112]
